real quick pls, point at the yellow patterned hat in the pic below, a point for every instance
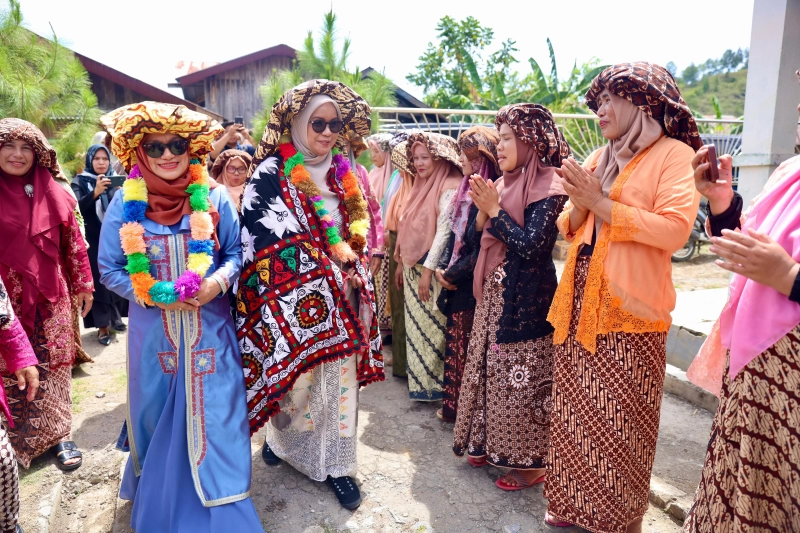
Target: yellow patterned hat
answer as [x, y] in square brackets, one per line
[128, 125]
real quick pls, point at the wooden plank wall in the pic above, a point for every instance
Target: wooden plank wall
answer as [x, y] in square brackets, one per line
[112, 95]
[236, 92]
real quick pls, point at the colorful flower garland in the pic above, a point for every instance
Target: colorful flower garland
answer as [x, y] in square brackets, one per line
[294, 168]
[134, 202]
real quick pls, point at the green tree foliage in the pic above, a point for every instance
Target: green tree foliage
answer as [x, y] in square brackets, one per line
[459, 72]
[44, 83]
[325, 58]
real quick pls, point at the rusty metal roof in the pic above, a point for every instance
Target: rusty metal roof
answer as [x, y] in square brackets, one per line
[149, 91]
[200, 75]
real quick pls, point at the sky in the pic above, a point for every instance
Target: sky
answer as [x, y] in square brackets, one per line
[147, 38]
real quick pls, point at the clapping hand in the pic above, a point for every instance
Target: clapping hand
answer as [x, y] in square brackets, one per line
[484, 194]
[756, 256]
[583, 188]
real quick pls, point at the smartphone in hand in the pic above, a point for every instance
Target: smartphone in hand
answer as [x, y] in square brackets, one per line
[712, 174]
[116, 181]
[239, 121]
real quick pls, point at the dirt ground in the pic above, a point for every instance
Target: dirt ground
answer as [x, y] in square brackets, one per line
[411, 481]
[409, 477]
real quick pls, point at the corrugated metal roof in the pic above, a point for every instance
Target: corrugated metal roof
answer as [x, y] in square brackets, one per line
[139, 86]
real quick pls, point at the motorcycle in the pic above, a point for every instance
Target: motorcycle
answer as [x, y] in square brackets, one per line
[696, 239]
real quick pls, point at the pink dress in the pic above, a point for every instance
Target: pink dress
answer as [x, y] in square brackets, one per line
[15, 348]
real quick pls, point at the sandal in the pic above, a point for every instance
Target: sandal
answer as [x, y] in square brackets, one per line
[104, 339]
[269, 456]
[477, 462]
[440, 416]
[550, 521]
[346, 491]
[64, 451]
[522, 482]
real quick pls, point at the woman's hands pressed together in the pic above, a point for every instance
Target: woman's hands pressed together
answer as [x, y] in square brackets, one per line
[583, 188]
[758, 257]
[485, 195]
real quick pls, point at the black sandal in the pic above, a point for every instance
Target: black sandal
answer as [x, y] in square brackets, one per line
[104, 339]
[64, 451]
[346, 491]
[269, 456]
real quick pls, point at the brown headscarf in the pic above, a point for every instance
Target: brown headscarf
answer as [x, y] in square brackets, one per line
[540, 148]
[168, 201]
[422, 210]
[31, 243]
[653, 89]
[219, 174]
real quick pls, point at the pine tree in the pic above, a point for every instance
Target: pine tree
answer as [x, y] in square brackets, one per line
[44, 83]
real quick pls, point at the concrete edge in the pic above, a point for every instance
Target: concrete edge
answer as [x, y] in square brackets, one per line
[675, 382]
[669, 499]
[48, 506]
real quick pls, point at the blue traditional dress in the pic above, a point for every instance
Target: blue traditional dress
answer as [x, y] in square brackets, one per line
[189, 468]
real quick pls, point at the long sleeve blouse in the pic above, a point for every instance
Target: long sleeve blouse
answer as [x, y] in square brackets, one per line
[431, 260]
[530, 281]
[461, 273]
[15, 348]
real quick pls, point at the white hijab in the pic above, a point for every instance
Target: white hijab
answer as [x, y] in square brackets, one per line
[317, 165]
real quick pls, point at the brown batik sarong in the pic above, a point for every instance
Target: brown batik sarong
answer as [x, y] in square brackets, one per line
[459, 331]
[751, 475]
[604, 427]
[505, 403]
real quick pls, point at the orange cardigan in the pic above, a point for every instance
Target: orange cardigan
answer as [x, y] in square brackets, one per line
[629, 286]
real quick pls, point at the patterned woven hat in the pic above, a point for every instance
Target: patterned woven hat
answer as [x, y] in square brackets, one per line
[480, 140]
[534, 125]
[652, 89]
[128, 125]
[13, 129]
[382, 140]
[400, 159]
[354, 109]
[440, 146]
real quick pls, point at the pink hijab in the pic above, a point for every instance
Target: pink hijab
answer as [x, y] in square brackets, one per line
[528, 183]
[422, 209]
[379, 176]
[640, 131]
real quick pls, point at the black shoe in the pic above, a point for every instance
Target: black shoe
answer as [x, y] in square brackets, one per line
[269, 456]
[19, 529]
[387, 340]
[346, 491]
[104, 339]
[119, 327]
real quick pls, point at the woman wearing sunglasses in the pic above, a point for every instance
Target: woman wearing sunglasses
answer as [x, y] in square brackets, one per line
[230, 170]
[306, 304]
[170, 244]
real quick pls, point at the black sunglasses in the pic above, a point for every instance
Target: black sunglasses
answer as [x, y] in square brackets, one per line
[156, 149]
[319, 125]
